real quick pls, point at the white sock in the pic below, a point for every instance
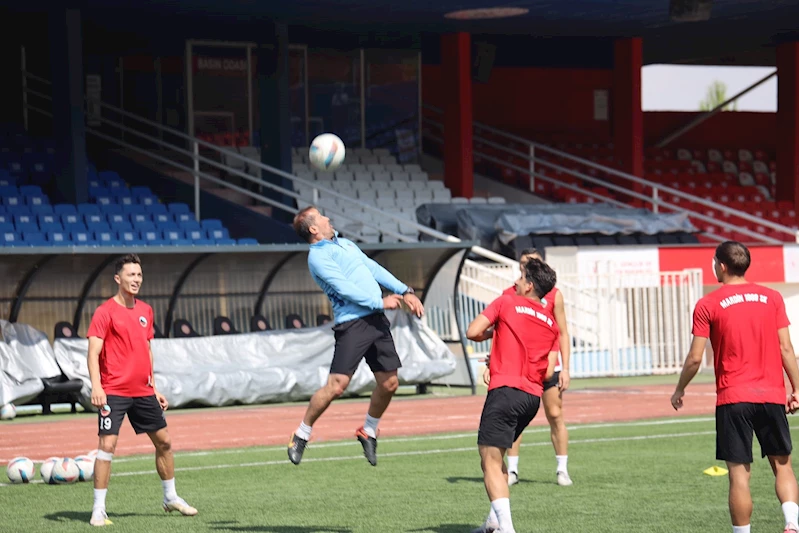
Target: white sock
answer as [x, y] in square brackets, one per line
[513, 463]
[791, 512]
[304, 431]
[562, 460]
[741, 529]
[492, 517]
[169, 489]
[99, 498]
[370, 426]
[501, 506]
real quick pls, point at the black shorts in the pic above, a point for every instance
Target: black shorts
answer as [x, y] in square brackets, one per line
[736, 422]
[506, 413]
[144, 412]
[552, 382]
[369, 337]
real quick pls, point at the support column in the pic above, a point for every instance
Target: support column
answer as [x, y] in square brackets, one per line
[788, 123]
[628, 117]
[456, 72]
[69, 127]
[275, 118]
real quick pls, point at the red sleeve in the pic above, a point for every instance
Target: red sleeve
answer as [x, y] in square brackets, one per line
[151, 328]
[493, 310]
[555, 344]
[510, 290]
[782, 316]
[701, 319]
[99, 324]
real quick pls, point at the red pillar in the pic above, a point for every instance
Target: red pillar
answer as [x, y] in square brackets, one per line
[628, 118]
[457, 80]
[788, 123]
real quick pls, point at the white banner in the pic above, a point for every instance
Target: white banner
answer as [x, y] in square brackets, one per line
[636, 267]
[791, 263]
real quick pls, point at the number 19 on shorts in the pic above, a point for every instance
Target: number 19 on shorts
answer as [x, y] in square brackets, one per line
[105, 423]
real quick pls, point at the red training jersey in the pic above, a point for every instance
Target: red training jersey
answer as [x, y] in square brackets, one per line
[741, 322]
[548, 302]
[125, 367]
[524, 334]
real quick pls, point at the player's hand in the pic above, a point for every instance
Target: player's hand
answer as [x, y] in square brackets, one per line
[392, 301]
[486, 376]
[414, 303]
[99, 398]
[792, 404]
[676, 399]
[564, 380]
[163, 402]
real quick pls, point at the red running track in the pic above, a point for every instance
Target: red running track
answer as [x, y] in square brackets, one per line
[237, 427]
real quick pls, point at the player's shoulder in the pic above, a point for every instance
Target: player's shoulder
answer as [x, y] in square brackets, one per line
[144, 306]
[106, 307]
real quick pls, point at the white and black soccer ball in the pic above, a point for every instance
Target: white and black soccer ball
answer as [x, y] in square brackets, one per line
[326, 152]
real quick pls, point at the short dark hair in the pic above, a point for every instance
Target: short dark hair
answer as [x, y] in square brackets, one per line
[126, 260]
[541, 276]
[303, 222]
[735, 256]
[530, 251]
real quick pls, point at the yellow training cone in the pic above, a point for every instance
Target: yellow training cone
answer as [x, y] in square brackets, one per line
[715, 471]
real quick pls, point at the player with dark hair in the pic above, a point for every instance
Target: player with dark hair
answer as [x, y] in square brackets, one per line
[121, 370]
[523, 357]
[352, 281]
[748, 330]
[553, 388]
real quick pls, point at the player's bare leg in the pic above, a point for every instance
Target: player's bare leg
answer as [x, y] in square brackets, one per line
[165, 465]
[102, 475]
[553, 408]
[787, 490]
[740, 497]
[387, 384]
[495, 477]
[320, 401]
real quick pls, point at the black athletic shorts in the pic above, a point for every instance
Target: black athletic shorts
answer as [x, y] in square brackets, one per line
[552, 382]
[736, 422]
[507, 411]
[144, 412]
[369, 337]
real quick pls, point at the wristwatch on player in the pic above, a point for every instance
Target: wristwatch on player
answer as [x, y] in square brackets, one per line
[409, 291]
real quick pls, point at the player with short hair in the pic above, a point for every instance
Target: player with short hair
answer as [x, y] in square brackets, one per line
[748, 330]
[121, 370]
[352, 282]
[523, 356]
[553, 387]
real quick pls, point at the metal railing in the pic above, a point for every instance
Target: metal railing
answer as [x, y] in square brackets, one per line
[508, 145]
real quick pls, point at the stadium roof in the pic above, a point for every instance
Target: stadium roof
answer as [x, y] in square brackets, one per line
[738, 32]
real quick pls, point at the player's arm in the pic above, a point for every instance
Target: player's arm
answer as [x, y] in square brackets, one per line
[565, 342]
[93, 362]
[386, 279]
[552, 361]
[689, 369]
[790, 366]
[325, 268]
[158, 396]
[480, 329]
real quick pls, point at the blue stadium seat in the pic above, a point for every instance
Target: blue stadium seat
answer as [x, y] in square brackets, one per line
[153, 238]
[182, 242]
[94, 227]
[134, 209]
[139, 217]
[14, 200]
[94, 183]
[30, 190]
[96, 192]
[6, 219]
[189, 225]
[91, 220]
[225, 242]
[14, 166]
[104, 200]
[147, 200]
[196, 235]
[248, 241]
[41, 209]
[115, 185]
[108, 175]
[37, 200]
[88, 209]
[51, 226]
[6, 227]
[8, 190]
[141, 191]
[173, 235]
[48, 219]
[145, 225]
[9, 238]
[83, 238]
[167, 226]
[157, 209]
[71, 218]
[34, 238]
[64, 209]
[184, 217]
[24, 219]
[162, 219]
[217, 234]
[72, 227]
[106, 238]
[18, 210]
[178, 208]
[111, 209]
[130, 238]
[211, 223]
[121, 226]
[58, 238]
[203, 242]
[124, 200]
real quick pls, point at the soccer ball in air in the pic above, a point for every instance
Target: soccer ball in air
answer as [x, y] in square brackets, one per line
[326, 152]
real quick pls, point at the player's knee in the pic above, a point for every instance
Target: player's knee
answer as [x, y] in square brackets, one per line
[336, 387]
[391, 384]
[164, 445]
[107, 446]
[554, 415]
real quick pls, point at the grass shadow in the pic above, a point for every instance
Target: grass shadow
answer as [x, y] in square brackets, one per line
[232, 526]
[446, 528]
[83, 516]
